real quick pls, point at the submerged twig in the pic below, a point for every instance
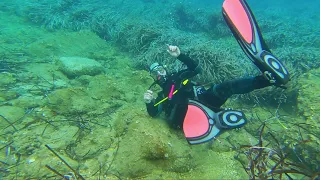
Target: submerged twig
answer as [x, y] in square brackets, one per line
[115, 154]
[113, 158]
[48, 123]
[55, 171]
[9, 122]
[73, 170]
[20, 119]
[6, 145]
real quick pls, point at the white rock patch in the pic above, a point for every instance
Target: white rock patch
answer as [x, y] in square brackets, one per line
[77, 66]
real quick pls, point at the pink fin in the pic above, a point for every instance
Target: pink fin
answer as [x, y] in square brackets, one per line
[195, 123]
[239, 17]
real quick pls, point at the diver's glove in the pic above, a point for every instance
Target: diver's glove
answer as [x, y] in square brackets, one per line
[173, 50]
[148, 96]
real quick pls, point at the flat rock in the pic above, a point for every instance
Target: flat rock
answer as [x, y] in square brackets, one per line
[77, 66]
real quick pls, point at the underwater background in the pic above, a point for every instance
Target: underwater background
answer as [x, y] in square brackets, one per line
[73, 74]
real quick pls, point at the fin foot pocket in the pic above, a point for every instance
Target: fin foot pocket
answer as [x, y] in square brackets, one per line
[273, 69]
[230, 119]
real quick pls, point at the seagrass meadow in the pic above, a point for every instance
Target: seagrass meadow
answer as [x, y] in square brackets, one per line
[73, 74]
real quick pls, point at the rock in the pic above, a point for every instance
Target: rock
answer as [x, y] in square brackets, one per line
[308, 96]
[8, 95]
[11, 114]
[104, 88]
[7, 79]
[77, 66]
[27, 102]
[71, 101]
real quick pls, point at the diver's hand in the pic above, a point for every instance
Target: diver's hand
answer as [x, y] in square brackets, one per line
[173, 50]
[148, 96]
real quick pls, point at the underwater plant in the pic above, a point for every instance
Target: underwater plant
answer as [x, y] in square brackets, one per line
[264, 162]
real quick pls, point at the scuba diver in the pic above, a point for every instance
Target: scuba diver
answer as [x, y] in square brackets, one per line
[198, 110]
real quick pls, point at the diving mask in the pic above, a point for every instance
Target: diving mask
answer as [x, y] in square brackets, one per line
[157, 71]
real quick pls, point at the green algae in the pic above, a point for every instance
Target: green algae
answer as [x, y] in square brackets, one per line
[104, 88]
[308, 98]
[8, 95]
[309, 107]
[64, 43]
[7, 79]
[11, 113]
[100, 94]
[148, 145]
[27, 102]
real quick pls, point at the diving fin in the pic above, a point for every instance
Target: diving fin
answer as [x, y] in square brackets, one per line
[201, 124]
[245, 29]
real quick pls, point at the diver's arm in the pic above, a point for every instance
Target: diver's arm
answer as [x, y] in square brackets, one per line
[191, 64]
[154, 111]
[193, 67]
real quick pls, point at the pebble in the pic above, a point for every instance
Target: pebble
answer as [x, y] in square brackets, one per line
[29, 161]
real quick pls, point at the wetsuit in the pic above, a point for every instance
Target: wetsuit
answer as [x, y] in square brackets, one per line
[214, 97]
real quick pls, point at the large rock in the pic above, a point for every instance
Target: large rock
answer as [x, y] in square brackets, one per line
[308, 97]
[70, 101]
[10, 115]
[7, 79]
[77, 66]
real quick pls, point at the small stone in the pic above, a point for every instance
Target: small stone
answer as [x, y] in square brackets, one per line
[29, 161]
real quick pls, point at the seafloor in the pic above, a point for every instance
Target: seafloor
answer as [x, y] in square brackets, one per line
[80, 95]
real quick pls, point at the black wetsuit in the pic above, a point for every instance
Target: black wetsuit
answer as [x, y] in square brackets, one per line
[214, 97]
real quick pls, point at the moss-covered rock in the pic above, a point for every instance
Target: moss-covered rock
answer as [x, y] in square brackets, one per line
[64, 44]
[308, 97]
[46, 75]
[99, 95]
[71, 101]
[149, 148]
[104, 88]
[77, 66]
[27, 102]
[146, 143]
[7, 79]
[8, 95]
[11, 114]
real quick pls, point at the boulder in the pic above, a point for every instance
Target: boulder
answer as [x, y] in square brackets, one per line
[78, 66]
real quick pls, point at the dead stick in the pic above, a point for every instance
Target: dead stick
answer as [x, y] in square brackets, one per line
[6, 145]
[114, 156]
[55, 171]
[9, 122]
[57, 155]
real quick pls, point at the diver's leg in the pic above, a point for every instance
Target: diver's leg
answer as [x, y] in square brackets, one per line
[218, 94]
[245, 29]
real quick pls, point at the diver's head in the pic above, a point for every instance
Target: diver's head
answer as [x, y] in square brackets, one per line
[158, 72]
